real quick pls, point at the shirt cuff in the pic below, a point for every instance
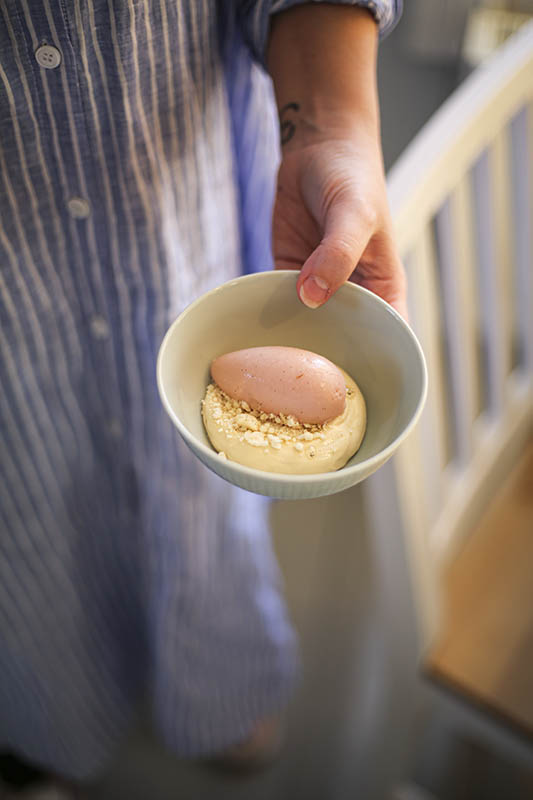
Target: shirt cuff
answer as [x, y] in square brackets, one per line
[255, 17]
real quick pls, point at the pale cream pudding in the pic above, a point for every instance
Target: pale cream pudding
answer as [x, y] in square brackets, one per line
[279, 443]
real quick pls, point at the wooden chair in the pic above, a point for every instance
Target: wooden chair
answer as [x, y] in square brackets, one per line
[462, 204]
[362, 569]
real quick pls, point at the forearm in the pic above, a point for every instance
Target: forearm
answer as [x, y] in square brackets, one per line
[322, 60]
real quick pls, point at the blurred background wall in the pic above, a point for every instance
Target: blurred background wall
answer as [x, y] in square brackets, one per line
[434, 47]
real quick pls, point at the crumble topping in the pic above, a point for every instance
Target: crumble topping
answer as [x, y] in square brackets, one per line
[259, 429]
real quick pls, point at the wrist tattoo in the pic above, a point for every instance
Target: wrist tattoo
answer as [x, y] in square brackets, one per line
[287, 126]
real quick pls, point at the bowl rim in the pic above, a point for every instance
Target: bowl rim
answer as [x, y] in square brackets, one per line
[368, 465]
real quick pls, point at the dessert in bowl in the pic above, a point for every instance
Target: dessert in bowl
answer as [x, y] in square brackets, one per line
[283, 409]
[355, 330]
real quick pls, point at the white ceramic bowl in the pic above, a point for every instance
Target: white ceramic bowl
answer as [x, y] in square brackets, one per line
[355, 329]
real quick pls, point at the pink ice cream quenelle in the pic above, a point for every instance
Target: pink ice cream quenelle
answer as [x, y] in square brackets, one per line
[283, 380]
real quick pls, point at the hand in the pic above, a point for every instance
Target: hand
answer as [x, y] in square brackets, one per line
[331, 218]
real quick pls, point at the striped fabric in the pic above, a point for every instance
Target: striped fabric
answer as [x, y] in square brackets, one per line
[137, 159]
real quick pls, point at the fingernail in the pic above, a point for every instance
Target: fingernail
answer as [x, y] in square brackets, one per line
[314, 291]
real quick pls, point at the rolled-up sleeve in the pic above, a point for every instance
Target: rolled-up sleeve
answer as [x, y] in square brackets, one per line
[255, 16]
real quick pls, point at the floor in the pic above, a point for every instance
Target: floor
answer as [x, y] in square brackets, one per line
[466, 768]
[486, 647]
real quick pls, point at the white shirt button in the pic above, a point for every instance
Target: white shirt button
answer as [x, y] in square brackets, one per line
[47, 56]
[99, 327]
[78, 208]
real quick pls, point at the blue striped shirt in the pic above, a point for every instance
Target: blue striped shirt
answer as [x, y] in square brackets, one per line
[137, 162]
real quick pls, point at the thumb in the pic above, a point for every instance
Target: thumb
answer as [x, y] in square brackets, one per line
[347, 231]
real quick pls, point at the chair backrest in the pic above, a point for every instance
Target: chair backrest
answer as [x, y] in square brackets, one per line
[462, 203]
